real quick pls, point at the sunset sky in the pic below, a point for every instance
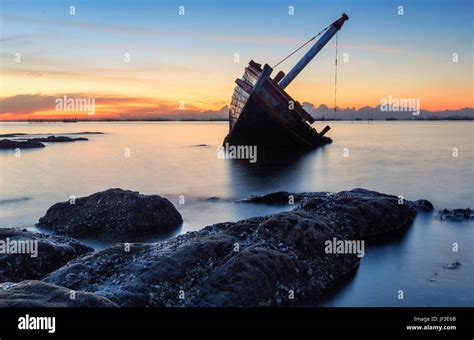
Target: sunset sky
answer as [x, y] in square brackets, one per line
[190, 58]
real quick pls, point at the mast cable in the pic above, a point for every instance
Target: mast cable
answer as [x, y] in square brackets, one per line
[299, 48]
[335, 78]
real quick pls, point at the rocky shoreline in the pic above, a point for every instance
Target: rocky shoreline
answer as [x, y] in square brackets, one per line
[23, 140]
[40, 294]
[276, 260]
[456, 215]
[8, 144]
[27, 255]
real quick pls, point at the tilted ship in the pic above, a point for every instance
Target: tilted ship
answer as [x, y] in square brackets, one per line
[261, 113]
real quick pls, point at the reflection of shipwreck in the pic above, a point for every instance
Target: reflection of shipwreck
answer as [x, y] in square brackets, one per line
[262, 113]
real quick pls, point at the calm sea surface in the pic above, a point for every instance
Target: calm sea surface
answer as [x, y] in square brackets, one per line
[412, 159]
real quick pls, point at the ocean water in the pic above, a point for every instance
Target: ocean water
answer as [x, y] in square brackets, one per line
[432, 160]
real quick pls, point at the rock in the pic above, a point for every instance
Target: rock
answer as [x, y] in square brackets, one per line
[13, 144]
[51, 253]
[213, 198]
[424, 205]
[454, 265]
[13, 134]
[85, 133]
[260, 261]
[280, 197]
[284, 197]
[40, 294]
[112, 214]
[67, 133]
[56, 139]
[456, 215]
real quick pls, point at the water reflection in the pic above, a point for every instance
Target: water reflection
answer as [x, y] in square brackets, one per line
[273, 171]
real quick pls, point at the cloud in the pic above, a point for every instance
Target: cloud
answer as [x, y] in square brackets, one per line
[192, 35]
[128, 107]
[28, 105]
[11, 37]
[133, 30]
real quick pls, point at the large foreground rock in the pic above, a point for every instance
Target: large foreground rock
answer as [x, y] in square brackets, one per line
[112, 214]
[27, 255]
[41, 294]
[264, 261]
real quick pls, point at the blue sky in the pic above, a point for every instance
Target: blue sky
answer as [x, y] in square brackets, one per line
[408, 54]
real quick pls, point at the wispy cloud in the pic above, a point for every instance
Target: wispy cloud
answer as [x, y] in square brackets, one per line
[13, 37]
[134, 30]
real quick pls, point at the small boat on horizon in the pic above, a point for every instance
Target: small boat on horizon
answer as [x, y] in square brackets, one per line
[263, 114]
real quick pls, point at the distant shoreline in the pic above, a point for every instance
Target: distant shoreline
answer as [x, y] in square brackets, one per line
[68, 120]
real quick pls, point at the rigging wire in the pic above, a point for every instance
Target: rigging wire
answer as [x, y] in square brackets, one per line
[335, 62]
[299, 48]
[335, 78]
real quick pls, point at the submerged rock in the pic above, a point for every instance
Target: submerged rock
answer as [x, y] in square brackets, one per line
[111, 214]
[453, 265]
[281, 259]
[278, 198]
[85, 133]
[56, 139]
[423, 205]
[213, 198]
[13, 134]
[27, 255]
[13, 144]
[456, 215]
[41, 294]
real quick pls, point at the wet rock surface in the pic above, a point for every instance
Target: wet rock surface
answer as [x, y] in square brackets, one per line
[456, 215]
[275, 260]
[112, 214]
[21, 259]
[56, 139]
[276, 198]
[452, 265]
[13, 134]
[85, 133]
[6, 144]
[284, 197]
[41, 294]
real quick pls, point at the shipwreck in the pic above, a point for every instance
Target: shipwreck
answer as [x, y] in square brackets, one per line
[262, 114]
